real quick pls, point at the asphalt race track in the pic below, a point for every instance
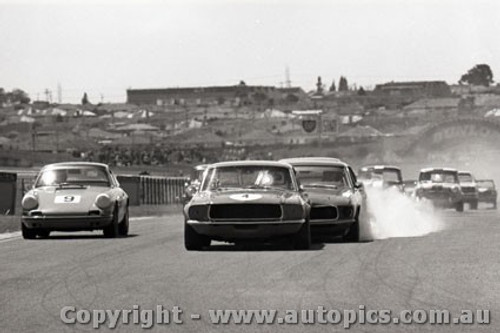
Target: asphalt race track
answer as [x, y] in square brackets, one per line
[454, 269]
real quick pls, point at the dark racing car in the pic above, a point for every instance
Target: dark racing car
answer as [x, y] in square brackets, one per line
[487, 191]
[468, 186]
[441, 187]
[247, 200]
[336, 196]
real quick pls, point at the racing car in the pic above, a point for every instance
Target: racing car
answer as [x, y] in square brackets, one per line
[441, 187]
[74, 196]
[242, 201]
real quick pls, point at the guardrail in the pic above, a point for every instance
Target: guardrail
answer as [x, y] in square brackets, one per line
[142, 190]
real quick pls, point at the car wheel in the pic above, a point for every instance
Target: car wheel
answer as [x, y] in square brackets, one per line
[27, 233]
[43, 233]
[460, 206]
[193, 241]
[352, 235]
[111, 231]
[473, 205]
[302, 240]
[124, 224]
[495, 205]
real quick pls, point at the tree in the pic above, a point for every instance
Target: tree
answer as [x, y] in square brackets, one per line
[361, 91]
[332, 87]
[85, 99]
[480, 75]
[16, 96]
[343, 85]
[19, 96]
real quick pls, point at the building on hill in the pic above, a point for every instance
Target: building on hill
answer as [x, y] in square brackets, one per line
[414, 89]
[237, 95]
[438, 106]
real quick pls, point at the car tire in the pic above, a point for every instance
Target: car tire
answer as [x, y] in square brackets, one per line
[43, 233]
[352, 235]
[460, 206]
[473, 205]
[112, 230]
[193, 241]
[302, 240]
[27, 233]
[495, 205]
[124, 224]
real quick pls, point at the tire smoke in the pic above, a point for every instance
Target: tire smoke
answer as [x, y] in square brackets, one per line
[390, 213]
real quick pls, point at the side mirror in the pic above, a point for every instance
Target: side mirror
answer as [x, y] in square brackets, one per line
[192, 189]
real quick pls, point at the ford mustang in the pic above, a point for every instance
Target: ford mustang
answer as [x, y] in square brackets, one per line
[75, 196]
[247, 200]
[335, 194]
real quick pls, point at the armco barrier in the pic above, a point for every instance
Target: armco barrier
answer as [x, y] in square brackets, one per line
[161, 190]
[131, 185]
[8, 193]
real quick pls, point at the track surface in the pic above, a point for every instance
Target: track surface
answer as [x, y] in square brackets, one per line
[454, 269]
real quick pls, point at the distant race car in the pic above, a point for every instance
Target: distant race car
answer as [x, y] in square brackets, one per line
[336, 196]
[441, 187]
[487, 192]
[410, 186]
[247, 200]
[75, 196]
[469, 188]
[381, 176]
[193, 185]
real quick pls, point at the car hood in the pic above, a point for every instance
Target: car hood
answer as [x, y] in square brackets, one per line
[247, 196]
[468, 185]
[66, 200]
[320, 196]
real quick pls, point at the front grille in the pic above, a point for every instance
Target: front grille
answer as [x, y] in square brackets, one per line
[345, 212]
[324, 213]
[245, 212]
[468, 189]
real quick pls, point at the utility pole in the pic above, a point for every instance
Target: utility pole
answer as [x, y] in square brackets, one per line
[288, 82]
[59, 93]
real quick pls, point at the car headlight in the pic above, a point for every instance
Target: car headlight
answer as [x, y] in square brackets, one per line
[29, 202]
[293, 212]
[198, 213]
[455, 189]
[103, 201]
[347, 194]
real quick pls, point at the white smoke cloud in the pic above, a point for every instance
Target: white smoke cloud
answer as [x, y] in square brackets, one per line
[391, 214]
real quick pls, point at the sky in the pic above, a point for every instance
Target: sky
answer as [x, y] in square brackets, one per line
[106, 47]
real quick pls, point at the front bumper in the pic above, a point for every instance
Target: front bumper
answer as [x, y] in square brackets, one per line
[443, 200]
[230, 231]
[470, 197]
[66, 223]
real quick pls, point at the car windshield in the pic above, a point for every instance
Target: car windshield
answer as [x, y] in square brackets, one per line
[439, 177]
[465, 178]
[327, 176]
[78, 175]
[248, 177]
[385, 174]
